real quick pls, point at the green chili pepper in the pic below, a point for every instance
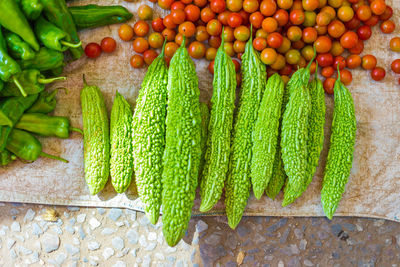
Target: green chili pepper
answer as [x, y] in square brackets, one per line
[45, 59]
[51, 36]
[27, 147]
[92, 16]
[45, 103]
[46, 125]
[31, 80]
[12, 18]
[31, 8]
[17, 47]
[6, 157]
[56, 12]
[11, 110]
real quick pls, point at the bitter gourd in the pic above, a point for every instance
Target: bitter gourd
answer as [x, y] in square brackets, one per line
[96, 138]
[219, 130]
[149, 136]
[182, 146]
[237, 187]
[121, 161]
[265, 135]
[205, 117]
[340, 155]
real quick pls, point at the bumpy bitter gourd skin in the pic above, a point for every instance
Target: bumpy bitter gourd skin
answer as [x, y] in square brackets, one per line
[340, 155]
[121, 161]
[96, 138]
[205, 117]
[219, 130]
[237, 187]
[149, 136]
[265, 135]
[182, 146]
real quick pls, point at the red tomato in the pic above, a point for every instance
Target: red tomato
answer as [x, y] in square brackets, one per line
[329, 84]
[137, 61]
[92, 50]
[218, 6]
[157, 25]
[339, 61]
[325, 60]
[349, 40]
[275, 40]
[192, 13]
[235, 20]
[108, 44]
[364, 32]
[346, 77]
[256, 19]
[396, 66]
[378, 74]
[327, 72]
[149, 56]
[358, 48]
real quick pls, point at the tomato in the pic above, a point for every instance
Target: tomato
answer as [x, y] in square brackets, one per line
[287, 70]
[261, 33]
[297, 5]
[339, 61]
[201, 34]
[353, 23]
[335, 3]
[297, 17]
[309, 35]
[250, 6]
[396, 66]
[313, 67]
[170, 49]
[92, 50]
[294, 33]
[141, 28]
[256, 19]
[378, 7]
[140, 45]
[187, 2]
[137, 61]
[214, 27]
[228, 34]
[345, 13]
[169, 34]
[346, 77]
[388, 26]
[307, 52]
[395, 44]
[177, 16]
[364, 32]
[177, 5]
[298, 45]
[245, 17]
[165, 4]
[234, 5]
[211, 52]
[187, 28]
[108, 45]
[218, 6]
[242, 33]
[378, 74]
[336, 29]
[327, 72]
[368, 62]
[268, 7]
[349, 40]
[285, 4]
[364, 13]
[337, 49]
[259, 43]
[149, 56]
[372, 21]
[285, 46]
[156, 40]
[207, 14]
[223, 17]
[268, 56]
[310, 19]
[387, 14]
[321, 30]
[279, 63]
[234, 20]
[179, 39]
[197, 50]
[329, 84]
[214, 41]
[282, 17]
[323, 19]
[200, 3]
[275, 40]
[292, 56]
[145, 12]
[358, 48]
[125, 32]
[169, 22]
[325, 60]
[237, 65]
[310, 5]
[157, 25]
[269, 24]
[323, 44]
[228, 48]
[353, 61]
[192, 13]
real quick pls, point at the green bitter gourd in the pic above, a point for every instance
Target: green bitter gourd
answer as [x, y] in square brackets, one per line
[205, 117]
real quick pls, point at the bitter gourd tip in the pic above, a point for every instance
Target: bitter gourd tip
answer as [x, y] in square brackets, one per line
[258, 193]
[234, 221]
[205, 205]
[153, 216]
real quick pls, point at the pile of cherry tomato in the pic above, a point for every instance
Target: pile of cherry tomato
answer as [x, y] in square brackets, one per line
[285, 33]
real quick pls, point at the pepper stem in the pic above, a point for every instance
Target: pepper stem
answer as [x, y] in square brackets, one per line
[50, 80]
[67, 44]
[21, 89]
[43, 154]
[76, 130]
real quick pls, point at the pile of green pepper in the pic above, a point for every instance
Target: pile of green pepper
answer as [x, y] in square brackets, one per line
[34, 37]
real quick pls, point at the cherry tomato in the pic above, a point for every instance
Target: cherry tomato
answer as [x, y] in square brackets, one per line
[145, 12]
[156, 40]
[168, 21]
[346, 77]
[245, 17]
[378, 73]
[323, 44]
[217, 6]
[177, 5]
[337, 49]
[201, 34]
[140, 45]
[336, 29]
[279, 63]
[285, 4]
[269, 24]
[396, 66]
[268, 56]
[250, 6]
[192, 13]
[170, 49]
[239, 46]
[214, 27]
[339, 61]
[335, 3]
[141, 28]
[282, 17]
[125, 32]
[364, 32]
[287, 70]
[187, 29]
[321, 30]
[223, 17]
[275, 40]
[388, 26]
[211, 52]
[313, 67]
[349, 40]
[179, 39]
[353, 23]
[327, 71]
[358, 48]
[211, 67]
[207, 14]
[242, 33]
[137, 61]
[267, 7]
[309, 35]
[307, 52]
[368, 62]
[237, 65]
[325, 60]
[214, 41]
[292, 56]
[165, 4]
[197, 50]
[234, 20]
[297, 17]
[372, 21]
[228, 34]
[169, 34]
[259, 43]
[92, 50]
[294, 33]
[256, 19]
[353, 61]
[298, 45]
[378, 7]
[310, 18]
[364, 13]
[387, 14]
[310, 5]
[234, 5]
[285, 46]
[108, 45]
[345, 13]
[157, 25]
[395, 44]
[178, 16]
[200, 3]
[329, 84]
[323, 19]
[149, 56]
[187, 2]
[297, 5]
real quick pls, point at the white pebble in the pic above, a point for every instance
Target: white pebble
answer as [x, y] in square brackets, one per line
[152, 236]
[93, 245]
[94, 223]
[15, 227]
[107, 253]
[81, 218]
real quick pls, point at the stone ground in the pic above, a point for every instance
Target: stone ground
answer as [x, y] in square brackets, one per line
[116, 237]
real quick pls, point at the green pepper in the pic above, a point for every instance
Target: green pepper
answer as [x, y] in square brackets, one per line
[31, 8]
[51, 36]
[45, 59]
[11, 110]
[27, 147]
[12, 18]
[31, 80]
[6, 157]
[56, 12]
[46, 125]
[92, 16]
[17, 47]
[45, 103]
